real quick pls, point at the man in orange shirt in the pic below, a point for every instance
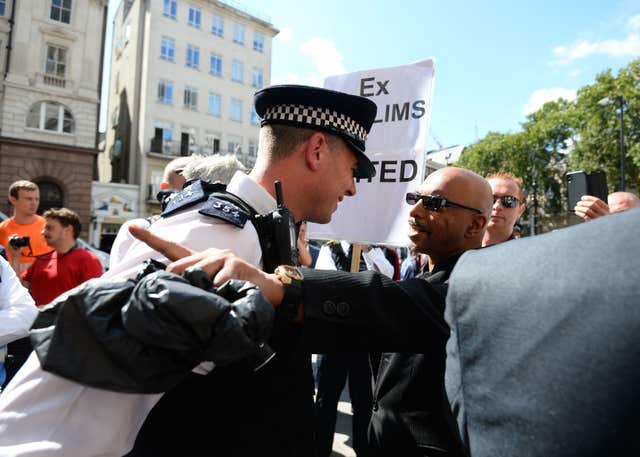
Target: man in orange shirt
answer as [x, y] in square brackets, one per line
[24, 196]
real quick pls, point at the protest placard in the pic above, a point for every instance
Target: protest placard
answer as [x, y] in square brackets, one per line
[396, 145]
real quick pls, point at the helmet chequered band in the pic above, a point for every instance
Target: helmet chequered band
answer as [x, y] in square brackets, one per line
[321, 117]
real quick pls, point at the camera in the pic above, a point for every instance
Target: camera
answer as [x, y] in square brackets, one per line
[19, 241]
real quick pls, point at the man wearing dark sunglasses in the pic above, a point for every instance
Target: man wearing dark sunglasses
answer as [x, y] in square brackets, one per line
[367, 311]
[508, 206]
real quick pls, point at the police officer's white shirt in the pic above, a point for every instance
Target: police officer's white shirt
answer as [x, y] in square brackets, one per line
[42, 414]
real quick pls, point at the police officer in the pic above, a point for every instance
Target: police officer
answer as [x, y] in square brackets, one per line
[312, 140]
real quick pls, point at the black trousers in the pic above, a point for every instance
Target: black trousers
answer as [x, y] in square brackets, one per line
[333, 371]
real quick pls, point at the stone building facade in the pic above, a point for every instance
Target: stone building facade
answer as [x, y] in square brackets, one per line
[51, 62]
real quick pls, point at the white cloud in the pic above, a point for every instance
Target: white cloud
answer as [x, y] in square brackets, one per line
[327, 60]
[628, 46]
[542, 96]
[285, 35]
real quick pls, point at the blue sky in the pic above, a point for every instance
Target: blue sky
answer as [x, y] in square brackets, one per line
[495, 61]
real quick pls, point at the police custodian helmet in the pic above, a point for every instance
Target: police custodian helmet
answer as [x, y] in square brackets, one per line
[348, 116]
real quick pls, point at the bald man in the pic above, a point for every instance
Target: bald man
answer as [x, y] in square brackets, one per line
[369, 312]
[590, 207]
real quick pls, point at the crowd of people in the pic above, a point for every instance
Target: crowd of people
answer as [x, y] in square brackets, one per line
[451, 354]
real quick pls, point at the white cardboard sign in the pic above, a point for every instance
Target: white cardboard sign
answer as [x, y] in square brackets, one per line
[396, 145]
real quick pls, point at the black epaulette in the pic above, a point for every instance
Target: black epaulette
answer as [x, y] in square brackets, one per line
[196, 192]
[225, 210]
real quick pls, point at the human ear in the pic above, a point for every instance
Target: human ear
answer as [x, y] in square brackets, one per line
[477, 225]
[313, 150]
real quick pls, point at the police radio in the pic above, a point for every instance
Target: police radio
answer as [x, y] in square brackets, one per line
[280, 246]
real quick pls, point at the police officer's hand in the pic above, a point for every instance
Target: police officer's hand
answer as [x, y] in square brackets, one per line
[220, 264]
[590, 207]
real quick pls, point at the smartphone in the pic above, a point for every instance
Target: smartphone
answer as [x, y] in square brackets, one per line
[580, 183]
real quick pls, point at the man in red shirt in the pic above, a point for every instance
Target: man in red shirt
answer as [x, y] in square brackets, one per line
[66, 266]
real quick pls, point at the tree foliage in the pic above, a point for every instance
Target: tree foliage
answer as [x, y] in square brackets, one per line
[568, 135]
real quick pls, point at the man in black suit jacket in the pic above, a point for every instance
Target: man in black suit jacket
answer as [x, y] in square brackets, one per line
[369, 312]
[544, 355]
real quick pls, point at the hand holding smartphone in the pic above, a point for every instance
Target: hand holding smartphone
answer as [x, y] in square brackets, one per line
[580, 183]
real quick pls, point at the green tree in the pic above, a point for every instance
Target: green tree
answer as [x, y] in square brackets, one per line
[598, 129]
[567, 136]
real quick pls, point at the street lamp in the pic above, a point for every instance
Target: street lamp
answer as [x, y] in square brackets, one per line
[620, 100]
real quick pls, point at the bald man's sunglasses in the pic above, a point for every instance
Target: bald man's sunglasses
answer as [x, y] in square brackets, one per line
[435, 202]
[508, 201]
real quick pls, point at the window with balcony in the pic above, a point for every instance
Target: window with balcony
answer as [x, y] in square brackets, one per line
[167, 48]
[253, 148]
[238, 33]
[257, 78]
[237, 70]
[193, 56]
[61, 11]
[194, 16]
[170, 8]
[217, 25]
[215, 104]
[165, 92]
[50, 116]
[191, 98]
[215, 64]
[234, 145]
[236, 110]
[258, 41]
[162, 139]
[55, 68]
[213, 143]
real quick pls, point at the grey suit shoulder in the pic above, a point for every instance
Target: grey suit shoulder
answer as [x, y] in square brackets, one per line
[544, 354]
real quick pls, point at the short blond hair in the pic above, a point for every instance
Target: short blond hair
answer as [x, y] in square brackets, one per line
[279, 141]
[512, 177]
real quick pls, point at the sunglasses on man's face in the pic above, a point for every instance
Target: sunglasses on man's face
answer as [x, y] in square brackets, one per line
[435, 202]
[508, 201]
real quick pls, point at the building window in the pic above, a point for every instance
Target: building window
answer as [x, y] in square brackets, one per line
[236, 71]
[193, 56]
[61, 11]
[167, 48]
[236, 110]
[213, 143]
[215, 64]
[51, 116]
[3, 6]
[56, 64]
[238, 33]
[191, 98]
[217, 25]
[253, 148]
[51, 195]
[258, 41]
[257, 78]
[255, 120]
[170, 8]
[215, 104]
[234, 145]
[163, 136]
[194, 16]
[165, 92]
